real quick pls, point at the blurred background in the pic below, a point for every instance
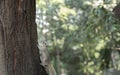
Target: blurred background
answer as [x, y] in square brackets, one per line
[83, 35]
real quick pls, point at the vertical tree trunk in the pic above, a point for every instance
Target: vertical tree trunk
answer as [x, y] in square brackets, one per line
[18, 34]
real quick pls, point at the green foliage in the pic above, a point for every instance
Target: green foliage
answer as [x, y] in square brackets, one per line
[79, 32]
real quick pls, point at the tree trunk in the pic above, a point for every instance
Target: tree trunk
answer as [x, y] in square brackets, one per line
[19, 54]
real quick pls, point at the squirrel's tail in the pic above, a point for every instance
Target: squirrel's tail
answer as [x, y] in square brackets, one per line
[51, 70]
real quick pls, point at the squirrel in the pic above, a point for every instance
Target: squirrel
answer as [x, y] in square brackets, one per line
[45, 58]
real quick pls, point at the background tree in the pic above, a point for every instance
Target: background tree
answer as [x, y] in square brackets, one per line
[80, 33]
[18, 38]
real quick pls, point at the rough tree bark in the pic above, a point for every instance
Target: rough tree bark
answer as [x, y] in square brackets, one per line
[18, 34]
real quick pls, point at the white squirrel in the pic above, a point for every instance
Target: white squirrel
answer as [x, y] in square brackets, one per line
[45, 58]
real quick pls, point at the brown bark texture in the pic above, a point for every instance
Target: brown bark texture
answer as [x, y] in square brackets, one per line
[19, 54]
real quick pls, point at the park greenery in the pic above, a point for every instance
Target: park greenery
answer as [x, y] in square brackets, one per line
[83, 35]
